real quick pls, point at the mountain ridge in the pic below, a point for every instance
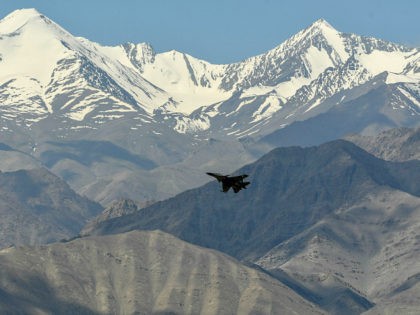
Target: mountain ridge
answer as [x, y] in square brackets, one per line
[354, 164]
[334, 222]
[190, 69]
[169, 108]
[150, 272]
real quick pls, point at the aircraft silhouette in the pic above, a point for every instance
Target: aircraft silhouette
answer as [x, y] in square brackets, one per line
[235, 182]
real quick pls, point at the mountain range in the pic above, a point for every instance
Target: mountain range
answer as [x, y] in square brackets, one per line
[333, 223]
[326, 225]
[105, 119]
[333, 220]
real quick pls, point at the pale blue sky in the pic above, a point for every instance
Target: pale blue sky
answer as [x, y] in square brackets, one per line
[224, 31]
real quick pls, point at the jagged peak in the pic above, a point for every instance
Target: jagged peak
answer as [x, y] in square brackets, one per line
[146, 49]
[140, 53]
[321, 28]
[143, 46]
[321, 24]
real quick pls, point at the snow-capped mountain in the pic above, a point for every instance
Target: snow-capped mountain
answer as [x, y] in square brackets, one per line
[46, 71]
[58, 90]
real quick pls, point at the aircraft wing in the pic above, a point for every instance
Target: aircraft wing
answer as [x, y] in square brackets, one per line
[238, 186]
[218, 176]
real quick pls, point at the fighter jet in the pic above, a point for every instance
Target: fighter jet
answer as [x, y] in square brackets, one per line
[236, 182]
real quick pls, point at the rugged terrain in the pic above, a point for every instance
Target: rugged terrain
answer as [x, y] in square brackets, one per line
[400, 144]
[37, 207]
[127, 121]
[137, 273]
[334, 222]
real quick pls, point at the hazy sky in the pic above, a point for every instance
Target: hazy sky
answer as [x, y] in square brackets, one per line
[224, 31]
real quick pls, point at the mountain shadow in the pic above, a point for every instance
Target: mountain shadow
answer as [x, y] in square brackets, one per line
[36, 296]
[87, 152]
[5, 147]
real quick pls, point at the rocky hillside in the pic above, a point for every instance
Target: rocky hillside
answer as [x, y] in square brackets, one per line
[334, 222]
[137, 272]
[400, 144]
[291, 189]
[37, 207]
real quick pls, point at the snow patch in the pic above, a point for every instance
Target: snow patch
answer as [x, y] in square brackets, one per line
[315, 104]
[380, 61]
[335, 40]
[401, 78]
[192, 83]
[410, 97]
[185, 124]
[317, 61]
[270, 105]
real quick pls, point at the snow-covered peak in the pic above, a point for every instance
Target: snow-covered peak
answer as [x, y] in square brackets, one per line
[32, 25]
[191, 82]
[292, 64]
[38, 55]
[319, 27]
[321, 24]
[31, 45]
[319, 34]
[17, 19]
[37, 49]
[21, 15]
